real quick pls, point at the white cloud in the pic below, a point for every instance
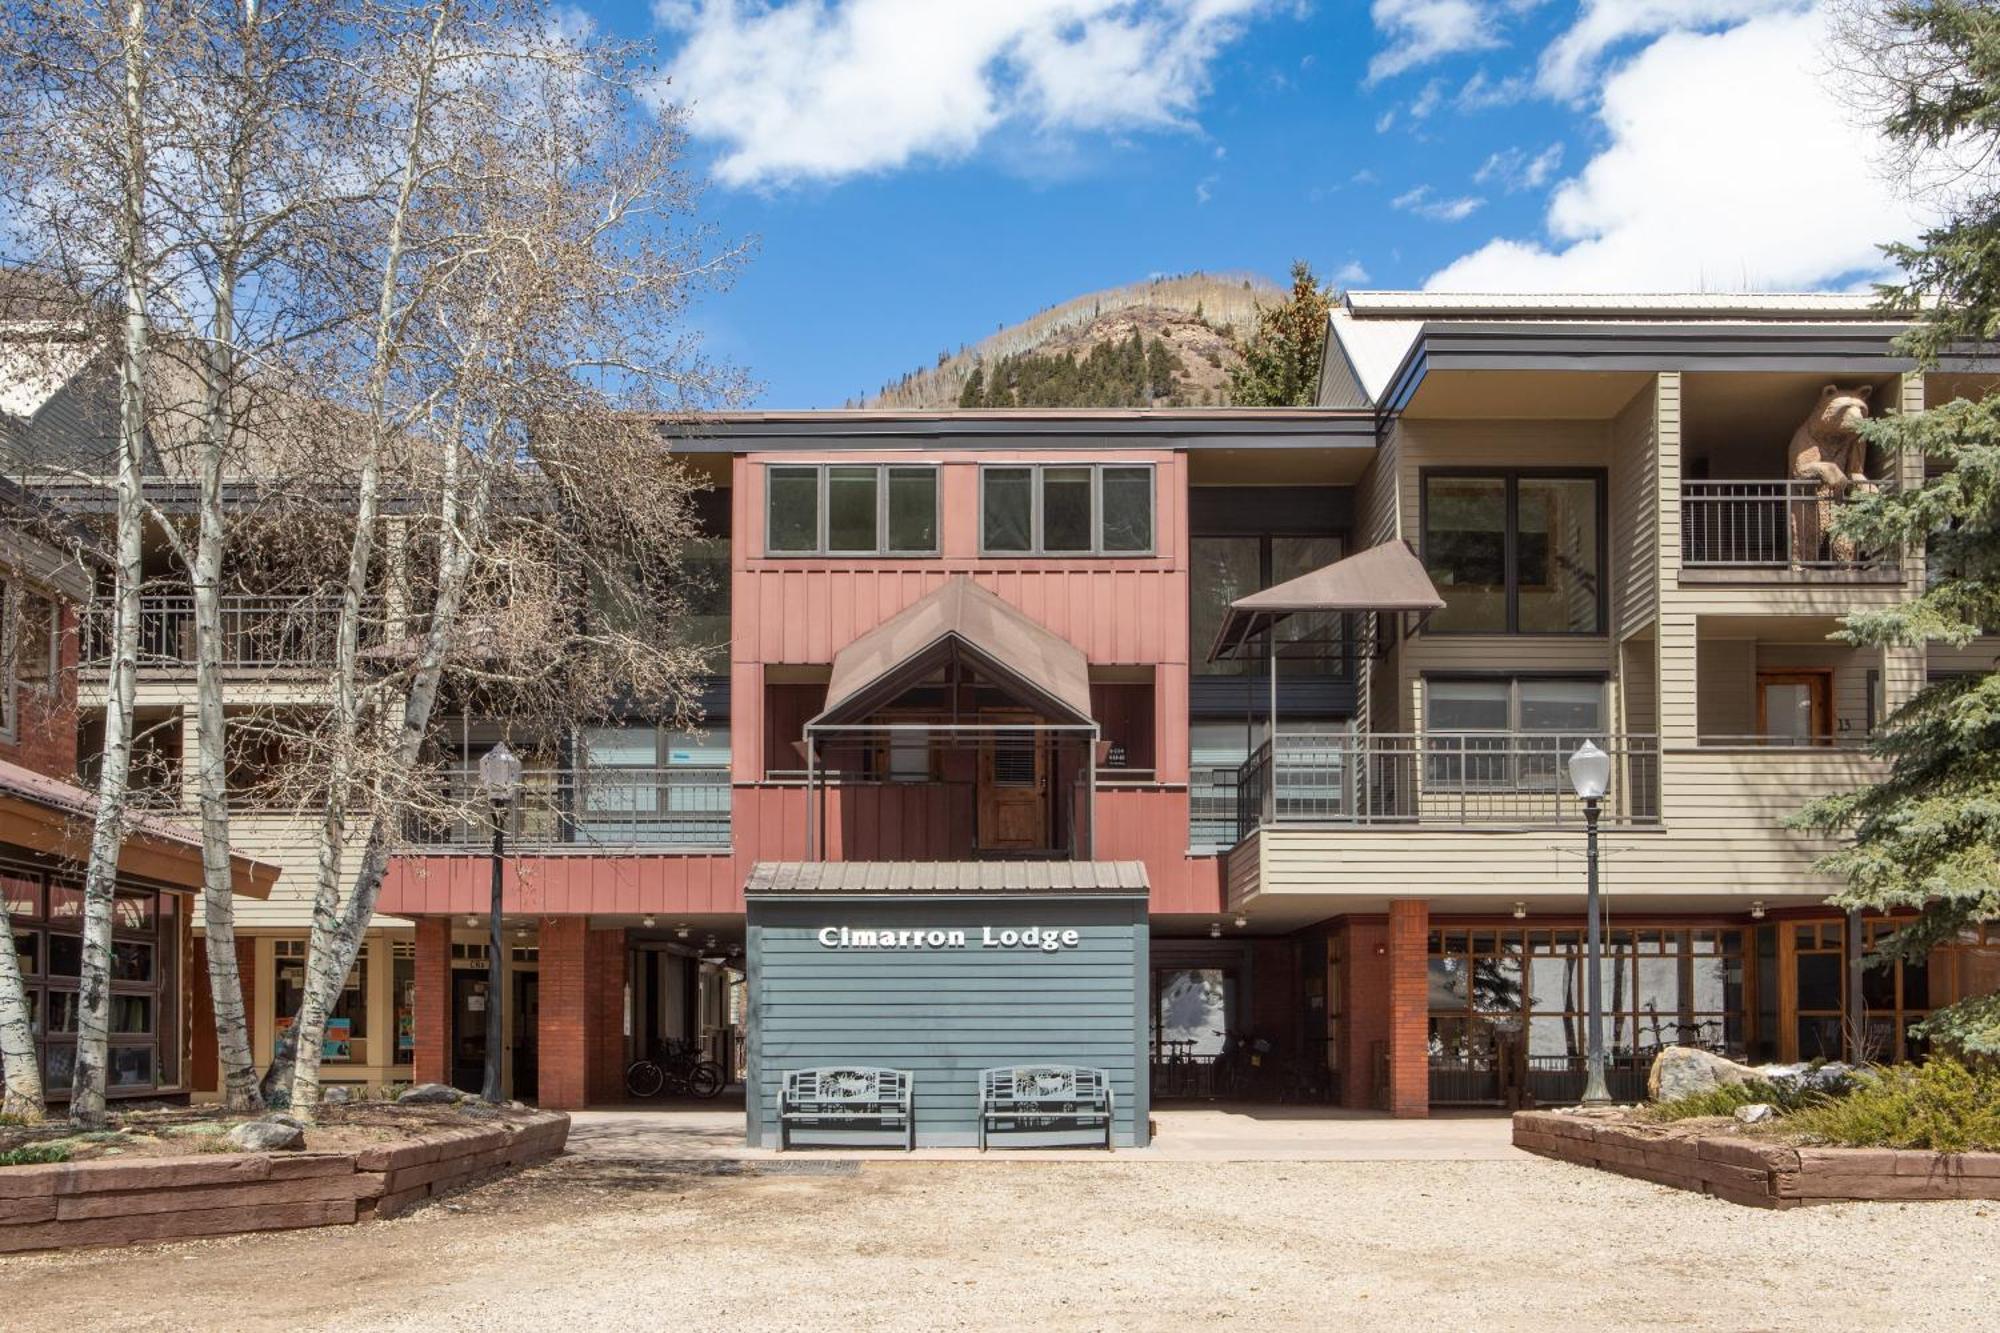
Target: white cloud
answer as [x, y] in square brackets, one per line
[1513, 170]
[1482, 93]
[1729, 164]
[1421, 202]
[1570, 63]
[804, 90]
[1350, 273]
[1204, 189]
[1427, 100]
[1421, 31]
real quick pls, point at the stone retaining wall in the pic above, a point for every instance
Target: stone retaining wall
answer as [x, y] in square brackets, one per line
[1752, 1172]
[109, 1202]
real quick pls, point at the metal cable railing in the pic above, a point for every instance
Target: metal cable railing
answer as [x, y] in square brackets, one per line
[1764, 525]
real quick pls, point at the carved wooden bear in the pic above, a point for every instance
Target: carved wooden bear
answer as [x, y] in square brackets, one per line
[1827, 449]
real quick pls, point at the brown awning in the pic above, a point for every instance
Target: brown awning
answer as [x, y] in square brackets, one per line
[964, 620]
[1386, 578]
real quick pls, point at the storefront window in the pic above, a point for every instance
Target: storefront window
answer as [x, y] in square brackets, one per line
[403, 987]
[1191, 1016]
[347, 1024]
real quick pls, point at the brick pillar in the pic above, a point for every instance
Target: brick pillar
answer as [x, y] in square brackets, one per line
[1364, 1013]
[205, 1072]
[604, 1057]
[559, 1033]
[431, 1060]
[1409, 1008]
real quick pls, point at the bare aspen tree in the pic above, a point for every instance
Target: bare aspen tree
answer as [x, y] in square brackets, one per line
[558, 253]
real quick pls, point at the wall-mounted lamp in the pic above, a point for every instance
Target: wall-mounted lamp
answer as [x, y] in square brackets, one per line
[1757, 910]
[646, 921]
[681, 931]
[471, 921]
[1520, 911]
[1215, 930]
[1242, 921]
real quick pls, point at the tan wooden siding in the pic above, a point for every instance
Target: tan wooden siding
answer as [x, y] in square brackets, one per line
[1722, 839]
[1638, 688]
[1726, 687]
[1243, 870]
[1377, 517]
[1634, 514]
[290, 842]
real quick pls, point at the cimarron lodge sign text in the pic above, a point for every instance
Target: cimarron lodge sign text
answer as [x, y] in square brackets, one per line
[1045, 938]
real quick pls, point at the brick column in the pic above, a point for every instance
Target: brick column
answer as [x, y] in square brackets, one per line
[1409, 1008]
[604, 1054]
[1364, 1012]
[559, 1033]
[430, 1061]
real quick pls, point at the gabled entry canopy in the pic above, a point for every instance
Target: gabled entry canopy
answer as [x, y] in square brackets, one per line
[1387, 578]
[962, 621]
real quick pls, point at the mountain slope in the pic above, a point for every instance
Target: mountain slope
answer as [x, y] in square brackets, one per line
[1198, 317]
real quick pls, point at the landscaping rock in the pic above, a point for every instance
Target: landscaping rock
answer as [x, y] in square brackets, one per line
[336, 1096]
[267, 1136]
[1832, 1078]
[1684, 1071]
[1756, 1113]
[431, 1093]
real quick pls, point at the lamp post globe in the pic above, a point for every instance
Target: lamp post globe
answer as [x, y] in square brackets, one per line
[1590, 777]
[499, 778]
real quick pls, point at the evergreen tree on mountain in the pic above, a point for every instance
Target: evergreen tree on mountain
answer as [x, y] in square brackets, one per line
[1926, 837]
[974, 392]
[1282, 359]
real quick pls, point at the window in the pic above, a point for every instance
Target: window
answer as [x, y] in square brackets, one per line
[1507, 733]
[1066, 509]
[851, 509]
[347, 1024]
[1515, 553]
[655, 783]
[1226, 568]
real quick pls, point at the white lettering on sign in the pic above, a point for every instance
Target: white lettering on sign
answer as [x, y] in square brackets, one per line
[1047, 939]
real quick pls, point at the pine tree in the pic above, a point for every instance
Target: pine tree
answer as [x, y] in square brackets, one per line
[1926, 837]
[974, 392]
[1281, 362]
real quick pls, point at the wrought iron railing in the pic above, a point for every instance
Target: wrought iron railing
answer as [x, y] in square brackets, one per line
[683, 806]
[1441, 780]
[1764, 525]
[260, 631]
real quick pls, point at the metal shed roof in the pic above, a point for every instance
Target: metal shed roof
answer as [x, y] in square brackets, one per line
[921, 878]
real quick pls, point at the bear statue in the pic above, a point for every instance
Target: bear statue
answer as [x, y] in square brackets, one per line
[1827, 450]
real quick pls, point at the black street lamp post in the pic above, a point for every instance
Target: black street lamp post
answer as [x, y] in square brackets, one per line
[499, 776]
[1590, 775]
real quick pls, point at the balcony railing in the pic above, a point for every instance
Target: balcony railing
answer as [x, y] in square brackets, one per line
[1763, 525]
[581, 809]
[261, 631]
[1485, 780]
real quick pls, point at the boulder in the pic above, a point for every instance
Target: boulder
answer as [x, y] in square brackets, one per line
[1684, 1071]
[431, 1093]
[267, 1136]
[1831, 1078]
[1756, 1113]
[338, 1095]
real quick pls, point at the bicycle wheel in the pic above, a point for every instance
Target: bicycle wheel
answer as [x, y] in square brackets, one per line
[706, 1080]
[643, 1078]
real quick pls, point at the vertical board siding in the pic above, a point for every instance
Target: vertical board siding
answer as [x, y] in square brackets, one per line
[946, 1014]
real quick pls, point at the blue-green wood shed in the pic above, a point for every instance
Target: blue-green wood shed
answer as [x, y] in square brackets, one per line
[945, 969]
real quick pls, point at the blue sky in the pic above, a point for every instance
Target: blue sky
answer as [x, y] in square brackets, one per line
[918, 172]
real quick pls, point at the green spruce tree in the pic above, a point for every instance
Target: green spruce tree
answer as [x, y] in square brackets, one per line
[1926, 837]
[974, 392]
[1282, 359]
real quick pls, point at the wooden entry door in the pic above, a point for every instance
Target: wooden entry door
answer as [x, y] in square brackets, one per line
[1013, 789]
[1795, 707]
[468, 1029]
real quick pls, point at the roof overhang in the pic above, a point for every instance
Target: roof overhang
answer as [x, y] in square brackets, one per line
[1388, 579]
[1026, 429]
[962, 621]
[947, 879]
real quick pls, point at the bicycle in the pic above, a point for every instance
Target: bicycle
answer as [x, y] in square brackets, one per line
[676, 1069]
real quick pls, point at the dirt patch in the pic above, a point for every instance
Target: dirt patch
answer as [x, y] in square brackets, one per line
[176, 1131]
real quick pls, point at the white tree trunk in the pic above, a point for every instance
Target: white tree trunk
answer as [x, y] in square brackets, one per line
[23, 1099]
[326, 974]
[86, 1105]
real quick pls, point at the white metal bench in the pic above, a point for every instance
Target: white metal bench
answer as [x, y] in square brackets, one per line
[849, 1105]
[1045, 1106]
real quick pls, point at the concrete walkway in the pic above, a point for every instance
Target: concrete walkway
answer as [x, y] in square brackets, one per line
[1185, 1134]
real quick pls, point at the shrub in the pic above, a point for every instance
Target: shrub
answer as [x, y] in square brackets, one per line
[32, 1154]
[1943, 1105]
[1724, 1100]
[1968, 1031]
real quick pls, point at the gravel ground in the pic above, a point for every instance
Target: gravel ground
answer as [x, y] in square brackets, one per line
[1491, 1245]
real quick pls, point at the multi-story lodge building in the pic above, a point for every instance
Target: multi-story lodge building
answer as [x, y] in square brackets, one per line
[1510, 525]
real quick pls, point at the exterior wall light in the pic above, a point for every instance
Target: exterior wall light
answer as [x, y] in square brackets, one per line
[646, 921]
[1757, 910]
[1215, 930]
[1242, 921]
[1520, 911]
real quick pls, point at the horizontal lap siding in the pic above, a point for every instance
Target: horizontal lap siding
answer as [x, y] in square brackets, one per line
[1723, 837]
[1635, 529]
[946, 1014]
